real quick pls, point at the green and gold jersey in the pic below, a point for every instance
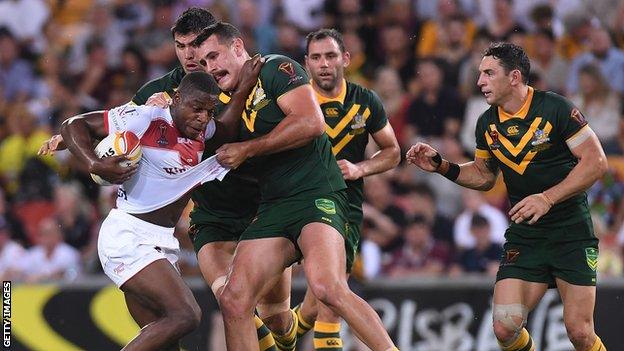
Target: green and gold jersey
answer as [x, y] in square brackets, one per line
[307, 170]
[532, 150]
[167, 83]
[236, 196]
[350, 118]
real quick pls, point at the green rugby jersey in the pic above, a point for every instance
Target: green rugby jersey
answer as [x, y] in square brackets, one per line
[531, 150]
[236, 196]
[351, 117]
[167, 83]
[307, 170]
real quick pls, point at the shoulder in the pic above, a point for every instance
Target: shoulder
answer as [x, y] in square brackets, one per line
[280, 64]
[168, 81]
[486, 116]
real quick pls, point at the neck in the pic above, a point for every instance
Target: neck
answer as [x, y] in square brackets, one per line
[332, 93]
[516, 99]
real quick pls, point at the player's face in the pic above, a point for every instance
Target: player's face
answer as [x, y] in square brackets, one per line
[187, 53]
[326, 63]
[493, 82]
[223, 61]
[192, 113]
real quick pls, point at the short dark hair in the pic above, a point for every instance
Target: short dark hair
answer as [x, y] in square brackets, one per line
[192, 20]
[224, 31]
[511, 57]
[198, 82]
[325, 33]
[478, 221]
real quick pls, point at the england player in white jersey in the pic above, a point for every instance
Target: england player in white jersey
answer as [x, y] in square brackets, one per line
[136, 245]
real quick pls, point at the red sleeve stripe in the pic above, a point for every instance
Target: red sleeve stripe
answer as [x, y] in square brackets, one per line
[106, 122]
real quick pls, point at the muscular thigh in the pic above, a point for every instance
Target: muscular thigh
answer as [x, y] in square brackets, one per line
[215, 258]
[578, 301]
[512, 291]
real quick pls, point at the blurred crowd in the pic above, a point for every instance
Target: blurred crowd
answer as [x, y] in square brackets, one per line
[59, 58]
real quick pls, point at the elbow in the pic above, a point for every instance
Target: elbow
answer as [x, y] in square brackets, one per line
[396, 156]
[316, 127]
[601, 166]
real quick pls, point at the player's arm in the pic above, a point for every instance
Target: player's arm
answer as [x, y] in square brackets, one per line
[78, 134]
[388, 156]
[479, 174]
[303, 122]
[591, 166]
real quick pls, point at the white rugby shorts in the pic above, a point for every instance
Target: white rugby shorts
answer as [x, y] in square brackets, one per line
[127, 244]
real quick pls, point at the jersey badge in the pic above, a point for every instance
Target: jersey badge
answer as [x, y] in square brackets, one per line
[325, 205]
[577, 116]
[162, 140]
[511, 256]
[287, 67]
[358, 125]
[540, 141]
[512, 130]
[331, 112]
[591, 255]
[259, 100]
[494, 135]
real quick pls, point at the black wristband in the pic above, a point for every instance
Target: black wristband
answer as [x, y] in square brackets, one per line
[437, 159]
[453, 172]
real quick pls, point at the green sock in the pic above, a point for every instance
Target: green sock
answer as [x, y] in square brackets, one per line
[265, 339]
[288, 341]
[302, 325]
[327, 336]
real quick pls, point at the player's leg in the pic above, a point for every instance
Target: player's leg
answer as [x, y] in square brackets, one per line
[143, 314]
[215, 258]
[160, 287]
[306, 313]
[324, 251]
[258, 265]
[274, 310]
[578, 315]
[327, 323]
[513, 299]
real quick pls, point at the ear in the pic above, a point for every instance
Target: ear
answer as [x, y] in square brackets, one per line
[176, 98]
[516, 77]
[346, 58]
[238, 46]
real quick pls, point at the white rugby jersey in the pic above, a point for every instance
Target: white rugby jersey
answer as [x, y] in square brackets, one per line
[170, 166]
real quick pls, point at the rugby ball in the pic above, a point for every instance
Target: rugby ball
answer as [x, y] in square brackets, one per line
[118, 143]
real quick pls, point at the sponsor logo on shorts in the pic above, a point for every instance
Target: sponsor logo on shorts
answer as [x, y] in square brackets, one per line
[591, 256]
[325, 205]
[511, 256]
[120, 268]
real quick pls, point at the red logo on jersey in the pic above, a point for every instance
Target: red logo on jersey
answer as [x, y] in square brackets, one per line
[287, 67]
[578, 116]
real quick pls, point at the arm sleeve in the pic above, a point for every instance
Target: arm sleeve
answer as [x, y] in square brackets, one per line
[482, 150]
[284, 75]
[570, 122]
[129, 117]
[379, 119]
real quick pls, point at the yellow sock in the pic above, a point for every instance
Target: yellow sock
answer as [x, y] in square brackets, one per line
[302, 325]
[523, 342]
[288, 341]
[265, 339]
[598, 345]
[327, 336]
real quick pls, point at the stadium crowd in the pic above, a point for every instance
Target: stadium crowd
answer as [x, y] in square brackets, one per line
[421, 57]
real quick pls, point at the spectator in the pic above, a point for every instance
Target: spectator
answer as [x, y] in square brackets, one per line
[547, 62]
[598, 102]
[485, 256]
[16, 76]
[51, 259]
[11, 252]
[475, 204]
[437, 109]
[25, 19]
[576, 39]
[610, 260]
[422, 255]
[437, 36]
[388, 86]
[396, 51]
[503, 24]
[75, 215]
[603, 54]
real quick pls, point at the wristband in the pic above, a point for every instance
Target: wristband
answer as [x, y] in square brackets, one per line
[437, 159]
[453, 172]
[548, 200]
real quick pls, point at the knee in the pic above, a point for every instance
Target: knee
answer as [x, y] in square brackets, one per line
[330, 293]
[234, 301]
[508, 321]
[185, 318]
[581, 333]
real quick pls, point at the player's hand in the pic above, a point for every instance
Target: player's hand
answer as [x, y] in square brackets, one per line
[530, 209]
[349, 170]
[233, 155]
[109, 169]
[49, 146]
[249, 73]
[161, 100]
[421, 155]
